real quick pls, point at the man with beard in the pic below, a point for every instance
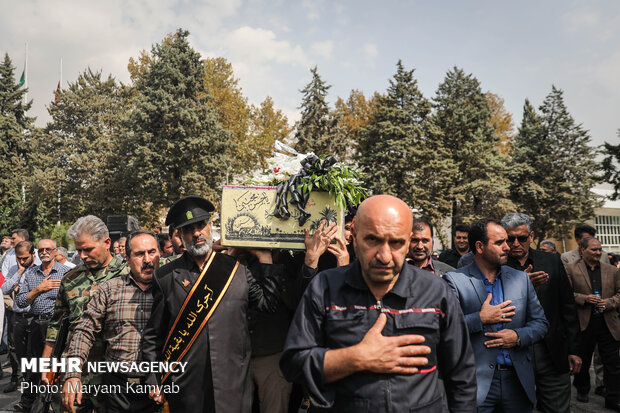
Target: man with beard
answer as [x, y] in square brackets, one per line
[38, 291]
[118, 311]
[199, 317]
[555, 357]
[92, 243]
[504, 319]
[460, 246]
[421, 248]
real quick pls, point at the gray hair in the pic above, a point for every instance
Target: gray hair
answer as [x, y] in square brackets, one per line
[516, 219]
[551, 244]
[47, 239]
[586, 242]
[88, 225]
[62, 251]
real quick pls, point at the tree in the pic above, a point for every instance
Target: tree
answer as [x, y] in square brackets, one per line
[400, 151]
[610, 166]
[80, 158]
[317, 131]
[233, 111]
[481, 188]
[15, 127]
[178, 147]
[268, 124]
[554, 168]
[501, 120]
[353, 115]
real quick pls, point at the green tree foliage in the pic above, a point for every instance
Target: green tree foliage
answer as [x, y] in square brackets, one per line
[317, 131]
[178, 147]
[554, 168]
[353, 115]
[15, 129]
[401, 153]
[610, 166]
[268, 124]
[80, 156]
[481, 187]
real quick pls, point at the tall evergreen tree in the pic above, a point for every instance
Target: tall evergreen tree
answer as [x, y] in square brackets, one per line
[15, 126]
[81, 155]
[611, 166]
[317, 131]
[480, 188]
[178, 145]
[554, 168]
[400, 151]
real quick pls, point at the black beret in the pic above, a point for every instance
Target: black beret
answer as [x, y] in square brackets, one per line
[189, 210]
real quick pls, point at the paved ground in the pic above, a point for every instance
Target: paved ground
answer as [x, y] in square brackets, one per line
[8, 400]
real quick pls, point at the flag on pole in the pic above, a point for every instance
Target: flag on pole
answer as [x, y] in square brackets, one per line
[22, 80]
[56, 93]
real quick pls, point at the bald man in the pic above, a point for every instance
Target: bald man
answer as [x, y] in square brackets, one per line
[376, 334]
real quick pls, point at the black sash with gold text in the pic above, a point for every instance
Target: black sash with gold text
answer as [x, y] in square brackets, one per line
[199, 306]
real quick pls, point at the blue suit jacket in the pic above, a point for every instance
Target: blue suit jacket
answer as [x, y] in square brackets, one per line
[529, 322]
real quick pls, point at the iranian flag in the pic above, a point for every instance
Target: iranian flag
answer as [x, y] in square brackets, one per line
[22, 80]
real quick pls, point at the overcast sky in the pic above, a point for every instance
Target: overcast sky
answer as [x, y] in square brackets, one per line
[517, 49]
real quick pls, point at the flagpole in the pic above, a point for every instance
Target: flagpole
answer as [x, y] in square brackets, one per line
[26, 76]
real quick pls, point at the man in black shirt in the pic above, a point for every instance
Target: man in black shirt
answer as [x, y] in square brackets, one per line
[555, 357]
[460, 246]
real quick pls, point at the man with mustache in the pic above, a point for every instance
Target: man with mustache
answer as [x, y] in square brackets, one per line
[421, 249]
[38, 291]
[199, 317]
[118, 311]
[374, 335]
[504, 319]
[92, 242]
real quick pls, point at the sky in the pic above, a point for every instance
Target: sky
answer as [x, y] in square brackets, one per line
[517, 50]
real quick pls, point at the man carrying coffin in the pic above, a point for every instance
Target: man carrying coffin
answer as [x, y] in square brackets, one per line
[199, 317]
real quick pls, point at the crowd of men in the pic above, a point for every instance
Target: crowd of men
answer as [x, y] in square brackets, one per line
[364, 319]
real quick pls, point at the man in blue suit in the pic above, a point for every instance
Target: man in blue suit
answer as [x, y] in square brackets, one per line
[504, 319]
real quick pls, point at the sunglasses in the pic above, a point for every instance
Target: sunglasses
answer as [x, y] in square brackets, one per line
[521, 238]
[46, 250]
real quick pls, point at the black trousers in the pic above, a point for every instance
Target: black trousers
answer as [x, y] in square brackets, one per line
[21, 330]
[552, 388]
[121, 402]
[36, 343]
[10, 338]
[598, 333]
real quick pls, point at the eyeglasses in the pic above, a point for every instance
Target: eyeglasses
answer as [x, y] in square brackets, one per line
[46, 250]
[521, 238]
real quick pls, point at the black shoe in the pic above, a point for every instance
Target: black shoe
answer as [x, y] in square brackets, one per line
[19, 407]
[601, 391]
[10, 387]
[615, 406]
[583, 397]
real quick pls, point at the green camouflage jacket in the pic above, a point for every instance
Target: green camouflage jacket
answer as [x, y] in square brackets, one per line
[75, 291]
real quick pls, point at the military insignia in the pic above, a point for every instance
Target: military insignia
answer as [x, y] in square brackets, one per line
[185, 282]
[189, 215]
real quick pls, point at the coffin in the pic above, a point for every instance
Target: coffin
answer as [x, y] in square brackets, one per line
[248, 219]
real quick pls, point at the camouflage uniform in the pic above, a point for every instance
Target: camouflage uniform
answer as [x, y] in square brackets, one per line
[75, 291]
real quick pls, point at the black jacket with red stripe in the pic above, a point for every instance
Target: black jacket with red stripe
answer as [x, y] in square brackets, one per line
[337, 310]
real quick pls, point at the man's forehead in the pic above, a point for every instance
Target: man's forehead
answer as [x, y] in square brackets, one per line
[44, 243]
[143, 242]
[424, 233]
[521, 229]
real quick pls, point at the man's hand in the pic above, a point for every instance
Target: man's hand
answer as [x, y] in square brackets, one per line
[339, 249]
[68, 394]
[317, 244]
[593, 299]
[47, 285]
[574, 363]
[538, 277]
[493, 314]
[263, 255]
[157, 395]
[217, 246]
[602, 305]
[505, 338]
[381, 354]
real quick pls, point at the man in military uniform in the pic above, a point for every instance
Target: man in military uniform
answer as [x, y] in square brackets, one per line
[92, 242]
[199, 317]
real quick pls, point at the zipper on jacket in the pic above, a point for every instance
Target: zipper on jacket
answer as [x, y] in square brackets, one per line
[379, 305]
